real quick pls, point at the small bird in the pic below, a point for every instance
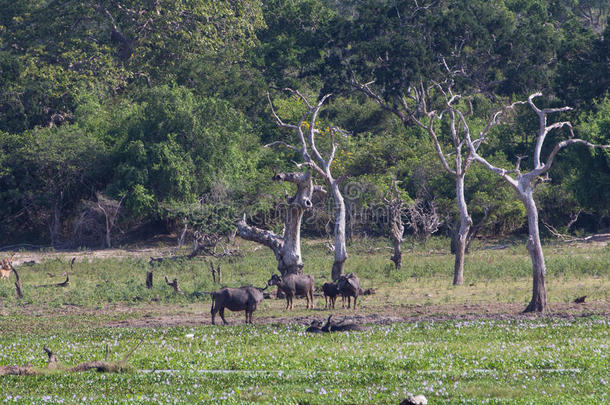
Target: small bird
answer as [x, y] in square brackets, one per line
[580, 300]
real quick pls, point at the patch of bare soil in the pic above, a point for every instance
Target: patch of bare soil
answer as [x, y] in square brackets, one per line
[407, 313]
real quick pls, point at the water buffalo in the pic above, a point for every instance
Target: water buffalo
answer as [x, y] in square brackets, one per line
[330, 291]
[315, 327]
[349, 286]
[236, 299]
[334, 327]
[294, 284]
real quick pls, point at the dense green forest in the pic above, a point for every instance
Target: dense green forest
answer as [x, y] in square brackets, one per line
[121, 119]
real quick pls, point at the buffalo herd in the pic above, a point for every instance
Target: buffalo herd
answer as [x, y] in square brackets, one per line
[290, 285]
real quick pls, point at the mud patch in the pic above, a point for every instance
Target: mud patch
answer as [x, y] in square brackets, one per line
[409, 314]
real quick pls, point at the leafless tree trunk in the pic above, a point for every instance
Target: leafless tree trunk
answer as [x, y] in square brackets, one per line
[110, 208]
[424, 221]
[55, 225]
[18, 286]
[149, 280]
[426, 119]
[525, 183]
[461, 238]
[287, 246]
[182, 236]
[340, 244]
[395, 205]
[321, 166]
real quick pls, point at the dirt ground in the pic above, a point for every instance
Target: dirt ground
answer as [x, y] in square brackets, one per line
[428, 313]
[191, 315]
[35, 256]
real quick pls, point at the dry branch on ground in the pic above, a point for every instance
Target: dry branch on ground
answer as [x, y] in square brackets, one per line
[53, 364]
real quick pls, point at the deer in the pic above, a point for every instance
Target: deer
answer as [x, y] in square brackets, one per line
[6, 267]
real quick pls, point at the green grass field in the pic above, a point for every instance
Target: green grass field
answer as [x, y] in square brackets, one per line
[466, 344]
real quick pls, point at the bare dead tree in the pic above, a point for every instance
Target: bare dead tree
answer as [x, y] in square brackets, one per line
[110, 208]
[216, 274]
[423, 219]
[321, 165]
[99, 216]
[287, 245]
[525, 183]
[555, 232]
[182, 236]
[204, 243]
[414, 108]
[396, 210]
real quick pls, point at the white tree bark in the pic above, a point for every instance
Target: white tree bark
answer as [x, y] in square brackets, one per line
[407, 114]
[286, 247]
[321, 166]
[525, 183]
[396, 210]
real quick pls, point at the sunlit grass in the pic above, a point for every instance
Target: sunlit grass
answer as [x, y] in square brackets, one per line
[491, 275]
[540, 361]
[475, 360]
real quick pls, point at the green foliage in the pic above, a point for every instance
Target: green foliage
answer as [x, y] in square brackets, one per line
[591, 182]
[293, 40]
[44, 174]
[177, 147]
[163, 103]
[584, 69]
[500, 46]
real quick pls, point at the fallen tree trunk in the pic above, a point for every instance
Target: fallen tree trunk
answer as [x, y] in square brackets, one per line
[64, 283]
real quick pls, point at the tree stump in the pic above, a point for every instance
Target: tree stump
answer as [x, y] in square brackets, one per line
[174, 285]
[149, 280]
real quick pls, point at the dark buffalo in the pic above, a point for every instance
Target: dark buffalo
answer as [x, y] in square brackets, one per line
[236, 299]
[349, 286]
[330, 291]
[329, 326]
[294, 284]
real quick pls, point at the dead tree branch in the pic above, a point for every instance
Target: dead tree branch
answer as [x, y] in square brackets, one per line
[174, 285]
[216, 274]
[423, 219]
[64, 283]
[17, 282]
[54, 365]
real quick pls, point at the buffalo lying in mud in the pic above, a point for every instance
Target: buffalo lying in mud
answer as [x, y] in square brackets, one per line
[337, 327]
[236, 299]
[294, 284]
